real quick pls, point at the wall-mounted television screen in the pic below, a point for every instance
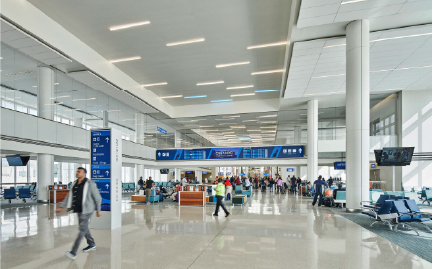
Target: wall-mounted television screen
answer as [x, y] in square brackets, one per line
[398, 156]
[189, 172]
[164, 171]
[17, 160]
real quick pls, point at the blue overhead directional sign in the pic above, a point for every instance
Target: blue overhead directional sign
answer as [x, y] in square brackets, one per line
[101, 164]
[159, 129]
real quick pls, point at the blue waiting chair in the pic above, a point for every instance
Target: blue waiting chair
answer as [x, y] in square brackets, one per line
[9, 194]
[376, 205]
[382, 214]
[24, 193]
[404, 215]
[417, 214]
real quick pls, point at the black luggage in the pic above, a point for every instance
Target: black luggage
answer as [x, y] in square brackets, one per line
[328, 201]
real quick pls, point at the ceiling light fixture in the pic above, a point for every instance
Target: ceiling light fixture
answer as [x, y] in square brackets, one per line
[64, 96]
[119, 27]
[330, 76]
[267, 91]
[83, 99]
[185, 42]
[268, 122]
[244, 94]
[171, 96]
[268, 72]
[354, 1]
[268, 116]
[196, 96]
[210, 83]
[253, 130]
[225, 100]
[397, 69]
[154, 84]
[232, 64]
[382, 39]
[125, 59]
[268, 127]
[269, 45]
[240, 87]
[248, 120]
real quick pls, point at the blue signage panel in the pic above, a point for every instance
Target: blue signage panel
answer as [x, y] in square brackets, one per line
[340, 165]
[269, 152]
[189, 172]
[101, 165]
[290, 170]
[159, 129]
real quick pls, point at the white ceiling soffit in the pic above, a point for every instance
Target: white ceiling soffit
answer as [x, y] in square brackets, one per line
[400, 59]
[227, 27]
[314, 13]
[28, 44]
[95, 82]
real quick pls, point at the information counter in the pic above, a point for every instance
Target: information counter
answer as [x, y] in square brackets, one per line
[192, 198]
[57, 193]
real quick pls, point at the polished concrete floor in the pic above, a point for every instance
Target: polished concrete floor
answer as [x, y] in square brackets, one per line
[271, 231]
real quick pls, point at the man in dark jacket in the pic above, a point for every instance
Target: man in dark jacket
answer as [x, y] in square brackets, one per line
[318, 191]
[83, 198]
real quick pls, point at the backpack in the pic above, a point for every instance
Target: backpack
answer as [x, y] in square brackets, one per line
[328, 201]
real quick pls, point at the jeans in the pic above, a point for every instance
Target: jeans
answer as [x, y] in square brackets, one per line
[148, 192]
[279, 189]
[272, 187]
[83, 220]
[320, 198]
[220, 203]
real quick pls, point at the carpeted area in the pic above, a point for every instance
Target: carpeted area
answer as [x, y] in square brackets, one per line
[419, 245]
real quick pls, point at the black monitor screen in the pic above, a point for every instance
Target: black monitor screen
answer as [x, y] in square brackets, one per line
[17, 160]
[400, 156]
[164, 171]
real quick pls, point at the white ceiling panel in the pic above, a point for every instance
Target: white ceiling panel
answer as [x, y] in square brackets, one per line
[315, 13]
[402, 62]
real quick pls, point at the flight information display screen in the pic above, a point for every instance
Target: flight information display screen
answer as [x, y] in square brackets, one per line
[270, 152]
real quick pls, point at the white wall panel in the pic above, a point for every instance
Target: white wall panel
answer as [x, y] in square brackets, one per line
[7, 122]
[47, 130]
[25, 126]
[64, 134]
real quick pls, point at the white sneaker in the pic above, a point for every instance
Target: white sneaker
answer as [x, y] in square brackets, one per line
[70, 255]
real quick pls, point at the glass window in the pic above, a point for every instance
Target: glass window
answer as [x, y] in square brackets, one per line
[56, 172]
[392, 118]
[21, 174]
[22, 109]
[33, 112]
[8, 172]
[33, 173]
[7, 105]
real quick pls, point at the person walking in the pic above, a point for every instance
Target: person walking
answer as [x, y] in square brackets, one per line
[229, 189]
[271, 185]
[140, 182]
[149, 185]
[279, 185]
[330, 181]
[220, 191]
[83, 198]
[318, 190]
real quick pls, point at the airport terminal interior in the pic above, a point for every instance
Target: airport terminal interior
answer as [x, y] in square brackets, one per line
[216, 134]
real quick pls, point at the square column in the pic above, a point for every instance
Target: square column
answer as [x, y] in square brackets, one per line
[313, 131]
[357, 113]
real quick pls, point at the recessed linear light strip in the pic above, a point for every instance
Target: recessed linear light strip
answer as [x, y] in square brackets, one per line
[244, 94]
[171, 96]
[240, 87]
[185, 42]
[351, 2]
[268, 45]
[195, 96]
[35, 39]
[231, 64]
[126, 59]
[119, 27]
[268, 72]
[382, 39]
[224, 100]
[155, 84]
[210, 83]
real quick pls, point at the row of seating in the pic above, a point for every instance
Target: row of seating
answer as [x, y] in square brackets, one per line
[128, 187]
[164, 184]
[23, 193]
[395, 211]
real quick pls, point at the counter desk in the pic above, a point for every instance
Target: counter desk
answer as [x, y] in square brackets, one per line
[192, 198]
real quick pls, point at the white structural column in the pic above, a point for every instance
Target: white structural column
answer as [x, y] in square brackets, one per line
[177, 139]
[46, 111]
[177, 174]
[139, 128]
[357, 113]
[139, 172]
[297, 135]
[45, 176]
[312, 137]
[199, 176]
[46, 93]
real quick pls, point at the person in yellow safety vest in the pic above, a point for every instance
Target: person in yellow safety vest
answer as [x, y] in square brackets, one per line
[220, 192]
